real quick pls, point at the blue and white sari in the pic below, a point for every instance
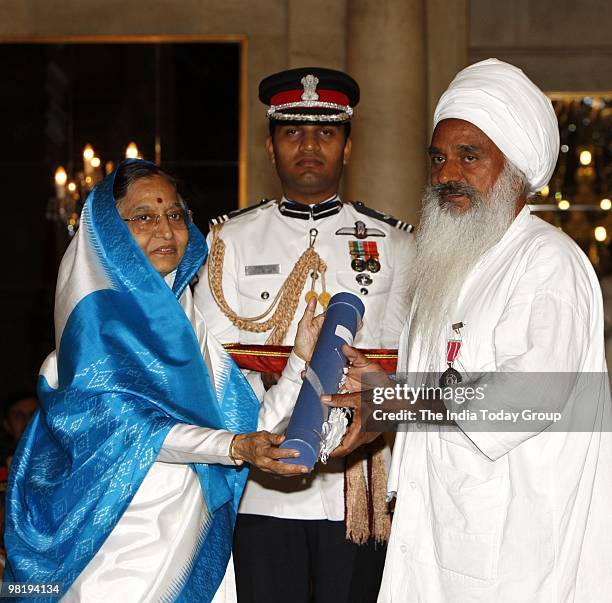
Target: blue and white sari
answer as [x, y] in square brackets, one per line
[127, 368]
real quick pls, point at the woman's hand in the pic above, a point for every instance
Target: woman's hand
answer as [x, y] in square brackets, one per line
[261, 449]
[308, 331]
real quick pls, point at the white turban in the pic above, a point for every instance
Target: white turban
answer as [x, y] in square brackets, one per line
[512, 111]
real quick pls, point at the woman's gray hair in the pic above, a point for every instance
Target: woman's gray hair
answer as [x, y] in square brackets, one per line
[132, 171]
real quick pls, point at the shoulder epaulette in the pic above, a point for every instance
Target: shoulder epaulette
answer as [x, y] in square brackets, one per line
[362, 208]
[237, 212]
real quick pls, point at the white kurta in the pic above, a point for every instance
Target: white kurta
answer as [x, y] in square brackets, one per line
[262, 247]
[499, 516]
[156, 537]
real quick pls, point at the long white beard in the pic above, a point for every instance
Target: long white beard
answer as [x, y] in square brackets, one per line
[449, 245]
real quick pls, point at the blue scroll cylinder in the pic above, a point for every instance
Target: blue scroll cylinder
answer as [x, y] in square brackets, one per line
[342, 319]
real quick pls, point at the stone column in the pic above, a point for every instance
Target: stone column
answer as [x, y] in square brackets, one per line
[316, 32]
[447, 47]
[387, 55]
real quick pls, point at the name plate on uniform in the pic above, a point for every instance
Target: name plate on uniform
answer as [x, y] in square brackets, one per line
[262, 269]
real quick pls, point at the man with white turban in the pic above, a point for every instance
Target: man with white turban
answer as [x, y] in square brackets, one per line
[485, 512]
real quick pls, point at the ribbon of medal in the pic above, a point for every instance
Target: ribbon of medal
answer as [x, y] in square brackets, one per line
[452, 376]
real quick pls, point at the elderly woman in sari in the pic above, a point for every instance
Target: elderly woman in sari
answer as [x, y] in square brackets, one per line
[126, 484]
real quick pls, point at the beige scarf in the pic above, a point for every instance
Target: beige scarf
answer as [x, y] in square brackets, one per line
[367, 513]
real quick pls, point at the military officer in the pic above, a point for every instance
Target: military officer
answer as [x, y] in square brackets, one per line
[322, 537]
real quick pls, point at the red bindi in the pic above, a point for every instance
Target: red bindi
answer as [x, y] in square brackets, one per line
[159, 200]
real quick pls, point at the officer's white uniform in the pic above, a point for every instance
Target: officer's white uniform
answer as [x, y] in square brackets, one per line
[262, 247]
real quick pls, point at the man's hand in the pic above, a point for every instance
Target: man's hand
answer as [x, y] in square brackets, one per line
[363, 374]
[261, 448]
[354, 436]
[308, 331]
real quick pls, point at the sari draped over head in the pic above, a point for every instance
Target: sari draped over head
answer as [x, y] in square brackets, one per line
[127, 368]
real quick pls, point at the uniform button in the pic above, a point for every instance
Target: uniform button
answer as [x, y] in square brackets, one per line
[265, 295]
[412, 485]
[403, 548]
[363, 291]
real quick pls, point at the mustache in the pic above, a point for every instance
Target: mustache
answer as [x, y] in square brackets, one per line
[455, 188]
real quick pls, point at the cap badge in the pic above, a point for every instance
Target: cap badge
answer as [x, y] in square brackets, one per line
[309, 82]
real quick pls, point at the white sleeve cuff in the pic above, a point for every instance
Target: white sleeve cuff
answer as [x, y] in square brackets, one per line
[191, 444]
[293, 369]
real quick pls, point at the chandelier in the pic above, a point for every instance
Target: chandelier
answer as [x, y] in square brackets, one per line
[71, 190]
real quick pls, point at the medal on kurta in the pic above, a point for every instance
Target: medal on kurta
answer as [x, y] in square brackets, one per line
[452, 376]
